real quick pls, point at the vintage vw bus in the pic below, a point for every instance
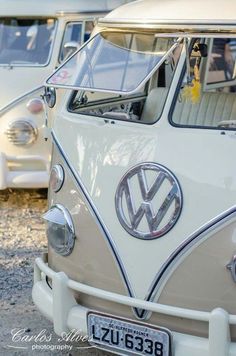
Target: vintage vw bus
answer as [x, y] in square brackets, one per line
[34, 38]
[141, 224]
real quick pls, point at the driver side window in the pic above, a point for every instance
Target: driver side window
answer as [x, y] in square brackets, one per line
[76, 33]
[71, 40]
[144, 107]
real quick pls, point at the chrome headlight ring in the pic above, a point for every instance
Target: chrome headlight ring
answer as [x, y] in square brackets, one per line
[60, 229]
[21, 132]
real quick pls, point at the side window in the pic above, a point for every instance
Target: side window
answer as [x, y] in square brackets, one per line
[208, 99]
[145, 106]
[222, 60]
[72, 40]
[108, 105]
[89, 26]
[76, 33]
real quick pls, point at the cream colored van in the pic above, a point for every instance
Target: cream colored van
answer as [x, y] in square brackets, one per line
[141, 224]
[35, 37]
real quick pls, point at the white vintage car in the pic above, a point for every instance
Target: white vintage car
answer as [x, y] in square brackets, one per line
[35, 37]
[141, 224]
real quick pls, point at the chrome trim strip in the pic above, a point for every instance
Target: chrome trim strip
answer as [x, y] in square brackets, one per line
[178, 29]
[96, 215]
[82, 12]
[18, 99]
[181, 24]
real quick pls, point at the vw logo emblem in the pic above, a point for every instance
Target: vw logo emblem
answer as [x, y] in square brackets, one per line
[148, 201]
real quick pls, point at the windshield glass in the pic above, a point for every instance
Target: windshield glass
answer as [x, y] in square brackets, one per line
[25, 41]
[114, 62]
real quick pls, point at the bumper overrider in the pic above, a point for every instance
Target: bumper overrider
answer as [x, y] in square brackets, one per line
[20, 178]
[59, 305]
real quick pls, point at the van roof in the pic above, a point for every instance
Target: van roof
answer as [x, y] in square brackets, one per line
[25, 8]
[173, 13]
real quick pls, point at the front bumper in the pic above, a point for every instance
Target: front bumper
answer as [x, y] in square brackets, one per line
[59, 306]
[23, 178]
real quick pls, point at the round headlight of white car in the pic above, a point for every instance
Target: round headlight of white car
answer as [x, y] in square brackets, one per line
[60, 229]
[21, 132]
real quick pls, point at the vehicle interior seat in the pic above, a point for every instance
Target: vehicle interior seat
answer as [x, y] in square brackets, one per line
[213, 108]
[154, 104]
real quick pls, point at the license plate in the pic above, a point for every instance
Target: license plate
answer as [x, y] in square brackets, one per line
[127, 337]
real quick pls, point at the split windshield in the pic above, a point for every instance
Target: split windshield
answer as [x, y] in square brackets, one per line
[114, 62]
[25, 41]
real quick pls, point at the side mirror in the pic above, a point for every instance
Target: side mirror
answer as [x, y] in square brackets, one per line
[50, 96]
[70, 48]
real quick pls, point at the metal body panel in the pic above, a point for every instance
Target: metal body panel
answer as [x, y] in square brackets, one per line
[94, 263]
[122, 146]
[180, 279]
[99, 268]
[174, 12]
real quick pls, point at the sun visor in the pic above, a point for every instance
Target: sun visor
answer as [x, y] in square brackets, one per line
[120, 63]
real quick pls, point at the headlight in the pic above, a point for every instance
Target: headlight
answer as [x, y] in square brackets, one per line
[56, 178]
[21, 133]
[35, 105]
[60, 229]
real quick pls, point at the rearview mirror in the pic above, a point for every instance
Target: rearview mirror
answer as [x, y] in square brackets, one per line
[70, 48]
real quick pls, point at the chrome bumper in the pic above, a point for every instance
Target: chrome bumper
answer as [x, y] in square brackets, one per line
[23, 179]
[59, 306]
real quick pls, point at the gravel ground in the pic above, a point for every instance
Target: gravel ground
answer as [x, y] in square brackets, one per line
[22, 239]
